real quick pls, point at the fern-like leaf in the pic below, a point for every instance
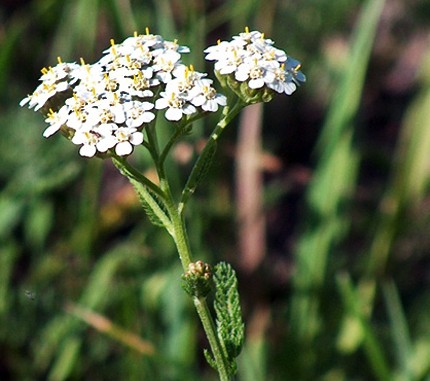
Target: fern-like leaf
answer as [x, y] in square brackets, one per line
[230, 326]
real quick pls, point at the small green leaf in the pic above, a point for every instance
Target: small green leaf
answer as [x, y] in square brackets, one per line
[210, 359]
[150, 195]
[199, 171]
[153, 206]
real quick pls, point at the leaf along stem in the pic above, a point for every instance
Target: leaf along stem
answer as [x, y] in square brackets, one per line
[132, 173]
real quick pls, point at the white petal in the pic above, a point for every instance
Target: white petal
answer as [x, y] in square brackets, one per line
[257, 83]
[198, 100]
[147, 117]
[51, 130]
[241, 75]
[173, 114]
[269, 77]
[62, 86]
[104, 144]
[88, 150]
[290, 88]
[277, 86]
[221, 99]
[147, 105]
[161, 103]
[123, 148]
[25, 101]
[188, 109]
[136, 138]
[79, 138]
[119, 115]
[210, 105]
[226, 69]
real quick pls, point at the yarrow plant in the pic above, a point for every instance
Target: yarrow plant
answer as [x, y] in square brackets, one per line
[111, 107]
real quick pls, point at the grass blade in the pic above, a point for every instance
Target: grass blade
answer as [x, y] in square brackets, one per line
[399, 331]
[334, 180]
[373, 350]
[410, 175]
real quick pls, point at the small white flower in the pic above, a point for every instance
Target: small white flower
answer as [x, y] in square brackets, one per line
[270, 53]
[75, 102]
[228, 56]
[165, 64]
[248, 37]
[142, 40]
[127, 138]
[110, 113]
[43, 93]
[138, 86]
[89, 140]
[58, 72]
[105, 134]
[173, 45]
[84, 119]
[184, 80]
[176, 105]
[56, 120]
[255, 73]
[99, 139]
[281, 84]
[205, 96]
[90, 75]
[137, 113]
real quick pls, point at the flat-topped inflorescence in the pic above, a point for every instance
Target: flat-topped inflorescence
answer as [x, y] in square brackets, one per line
[253, 68]
[103, 107]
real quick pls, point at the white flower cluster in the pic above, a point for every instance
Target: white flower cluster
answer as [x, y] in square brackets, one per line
[250, 58]
[104, 106]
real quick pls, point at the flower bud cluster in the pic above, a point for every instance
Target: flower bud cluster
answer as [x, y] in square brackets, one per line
[104, 106]
[197, 281]
[253, 68]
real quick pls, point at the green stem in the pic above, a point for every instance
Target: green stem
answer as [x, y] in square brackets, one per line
[181, 240]
[182, 244]
[177, 227]
[180, 237]
[190, 186]
[210, 330]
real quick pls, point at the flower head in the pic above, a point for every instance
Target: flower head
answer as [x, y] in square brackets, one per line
[252, 60]
[104, 107]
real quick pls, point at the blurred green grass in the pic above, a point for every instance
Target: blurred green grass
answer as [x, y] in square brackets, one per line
[343, 290]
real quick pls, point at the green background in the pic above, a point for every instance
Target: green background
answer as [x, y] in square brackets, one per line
[336, 287]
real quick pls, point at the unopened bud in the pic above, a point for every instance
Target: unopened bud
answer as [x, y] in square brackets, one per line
[197, 281]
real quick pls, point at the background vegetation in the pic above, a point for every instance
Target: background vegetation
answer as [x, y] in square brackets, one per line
[321, 202]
